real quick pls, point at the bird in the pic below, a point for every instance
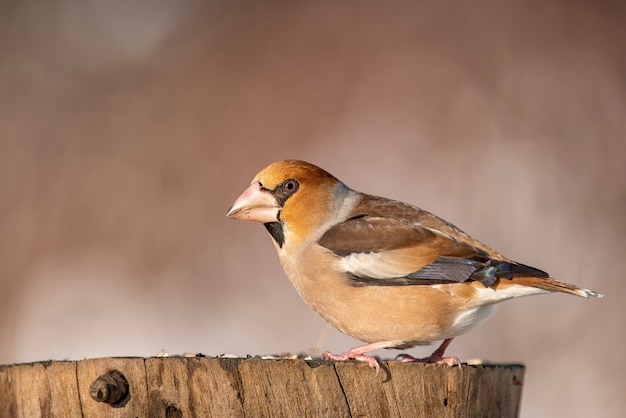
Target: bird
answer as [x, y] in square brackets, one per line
[382, 271]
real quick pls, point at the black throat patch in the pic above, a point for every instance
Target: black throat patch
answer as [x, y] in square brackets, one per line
[276, 231]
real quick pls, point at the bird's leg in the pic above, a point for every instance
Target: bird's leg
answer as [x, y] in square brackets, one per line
[436, 356]
[358, 353]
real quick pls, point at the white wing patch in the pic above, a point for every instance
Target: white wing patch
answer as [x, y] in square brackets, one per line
[382, 265]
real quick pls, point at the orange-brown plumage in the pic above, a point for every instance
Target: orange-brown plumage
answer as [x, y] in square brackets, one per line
[382, 271]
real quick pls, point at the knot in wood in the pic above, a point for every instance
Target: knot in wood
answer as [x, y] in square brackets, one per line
[109, 388]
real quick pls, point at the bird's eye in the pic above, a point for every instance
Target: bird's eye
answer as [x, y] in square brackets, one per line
[290, 185]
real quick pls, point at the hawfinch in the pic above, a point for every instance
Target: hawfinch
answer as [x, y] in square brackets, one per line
[382, 271]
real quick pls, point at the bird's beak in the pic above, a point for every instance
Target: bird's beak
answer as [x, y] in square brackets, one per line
[255, 204]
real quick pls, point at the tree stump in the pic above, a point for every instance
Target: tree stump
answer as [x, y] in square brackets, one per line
[252, 387]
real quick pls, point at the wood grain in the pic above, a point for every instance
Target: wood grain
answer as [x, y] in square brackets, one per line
[220, 387]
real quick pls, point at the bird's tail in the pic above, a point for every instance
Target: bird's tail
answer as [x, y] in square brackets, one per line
[552, 285]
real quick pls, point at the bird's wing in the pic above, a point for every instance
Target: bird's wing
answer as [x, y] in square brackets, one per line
[385, 242]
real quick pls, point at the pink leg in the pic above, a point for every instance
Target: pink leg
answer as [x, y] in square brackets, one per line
[358, 353]
[436, 356]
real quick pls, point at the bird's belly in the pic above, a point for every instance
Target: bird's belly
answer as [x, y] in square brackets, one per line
[411, 315]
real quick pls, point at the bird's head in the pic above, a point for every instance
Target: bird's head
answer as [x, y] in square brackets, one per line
[291, 198]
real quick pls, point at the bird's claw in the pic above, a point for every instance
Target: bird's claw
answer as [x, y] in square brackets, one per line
[348, 355]
[450, 361]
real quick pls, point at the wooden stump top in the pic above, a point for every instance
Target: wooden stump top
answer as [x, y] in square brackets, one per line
[252, 387]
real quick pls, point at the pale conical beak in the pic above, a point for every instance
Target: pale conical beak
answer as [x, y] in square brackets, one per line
[255, 204]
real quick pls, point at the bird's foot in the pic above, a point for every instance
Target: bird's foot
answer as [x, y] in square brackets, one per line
[350, 354]
[435, 357]
[450, 361]
[358, 353]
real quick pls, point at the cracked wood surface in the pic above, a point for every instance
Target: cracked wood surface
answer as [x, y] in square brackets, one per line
[224, 387]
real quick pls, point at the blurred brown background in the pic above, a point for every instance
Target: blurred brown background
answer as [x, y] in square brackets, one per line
[128, 128]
